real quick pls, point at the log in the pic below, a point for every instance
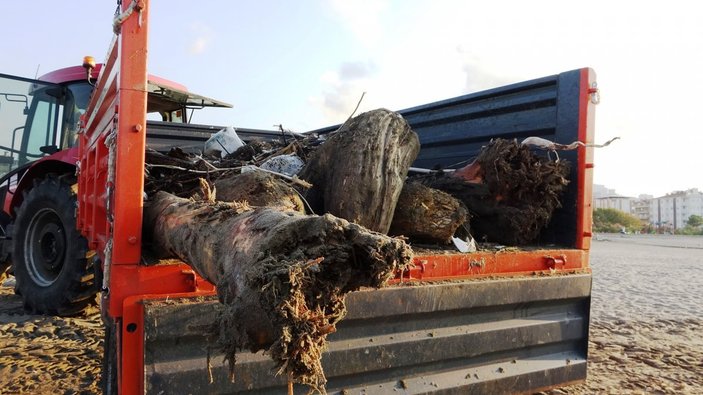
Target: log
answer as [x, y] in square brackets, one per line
[426, 214]
[281, 275]
[259, 189]
[511, 192]
[358, 173]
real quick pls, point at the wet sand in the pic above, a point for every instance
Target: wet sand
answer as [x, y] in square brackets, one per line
[646, 327]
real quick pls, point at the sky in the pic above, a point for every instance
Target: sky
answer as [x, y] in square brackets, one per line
[305, 64]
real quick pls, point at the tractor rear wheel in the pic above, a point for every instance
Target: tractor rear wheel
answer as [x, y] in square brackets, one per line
[49, 253]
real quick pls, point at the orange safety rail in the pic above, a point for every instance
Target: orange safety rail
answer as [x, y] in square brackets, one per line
[509, 262]
[112, 146]
[588, 98]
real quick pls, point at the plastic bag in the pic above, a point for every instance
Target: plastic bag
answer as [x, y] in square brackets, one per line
[226, 141]
[289, 165]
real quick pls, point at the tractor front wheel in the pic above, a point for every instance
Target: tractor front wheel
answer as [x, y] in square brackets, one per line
[49, 254]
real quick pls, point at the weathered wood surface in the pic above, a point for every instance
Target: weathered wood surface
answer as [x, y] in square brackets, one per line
[259, 189]
[427, 215]
[358, 173]
[281, 275]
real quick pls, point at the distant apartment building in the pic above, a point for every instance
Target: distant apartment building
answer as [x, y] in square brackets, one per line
[675, 208]
[604, 197]
[622, 203]
[639, 207]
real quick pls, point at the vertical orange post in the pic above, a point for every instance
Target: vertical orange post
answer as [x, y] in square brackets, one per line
[587, 89]
[131, 137]
[129, 176]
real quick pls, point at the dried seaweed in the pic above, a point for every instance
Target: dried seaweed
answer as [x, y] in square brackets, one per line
[512, 195]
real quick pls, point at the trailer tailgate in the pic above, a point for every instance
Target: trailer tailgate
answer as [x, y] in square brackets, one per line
[517, 334]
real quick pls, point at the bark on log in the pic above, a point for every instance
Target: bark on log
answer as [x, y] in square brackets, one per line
[258, 189]
[510, 192]
[282, 276]
[425, 214]
[358, 173]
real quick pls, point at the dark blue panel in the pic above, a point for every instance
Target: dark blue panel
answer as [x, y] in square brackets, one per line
[485, 107]
[562, 228]
[514, 124]
[453, 131]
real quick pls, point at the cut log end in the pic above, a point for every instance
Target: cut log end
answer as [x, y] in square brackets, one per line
[282, 276]
[425, 214]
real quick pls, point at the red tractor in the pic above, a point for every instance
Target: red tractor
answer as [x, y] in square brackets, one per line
[40, 121]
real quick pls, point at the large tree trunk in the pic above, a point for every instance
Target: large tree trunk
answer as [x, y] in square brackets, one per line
[358, 173]
[427, 215]
[282, 276]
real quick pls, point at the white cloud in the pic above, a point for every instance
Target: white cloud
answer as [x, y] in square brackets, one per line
[342, 88]
[202, 36]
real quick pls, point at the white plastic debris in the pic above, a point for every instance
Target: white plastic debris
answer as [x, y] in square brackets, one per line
[249, 168]
[289, 165]
[226, 141]
[468, 245]
[539, 142]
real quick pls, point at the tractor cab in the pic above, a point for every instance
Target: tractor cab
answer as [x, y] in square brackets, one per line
[41, 117]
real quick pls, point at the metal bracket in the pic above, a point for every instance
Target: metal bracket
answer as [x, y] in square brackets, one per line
[136, 5]
[191, 279]
[594, 93]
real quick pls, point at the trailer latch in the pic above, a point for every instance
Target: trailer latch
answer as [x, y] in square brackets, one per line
[555, 262]
[191, 279]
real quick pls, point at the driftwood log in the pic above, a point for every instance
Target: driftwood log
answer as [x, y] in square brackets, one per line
[358, 173]
[281, 275]
[510, 191]
[259, 189]
[425, 214]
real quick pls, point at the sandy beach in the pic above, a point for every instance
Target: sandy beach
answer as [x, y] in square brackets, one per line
[646, 326]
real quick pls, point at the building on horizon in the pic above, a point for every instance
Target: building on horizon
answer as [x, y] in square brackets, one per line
[641, 207]
[670, 211]
[622, 203]
[674, 209]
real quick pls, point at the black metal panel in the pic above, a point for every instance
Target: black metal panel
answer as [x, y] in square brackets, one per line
[162, 136]
[488, 336]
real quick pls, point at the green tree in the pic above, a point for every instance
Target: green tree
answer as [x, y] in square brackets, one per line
[695, 221]
[612, 220]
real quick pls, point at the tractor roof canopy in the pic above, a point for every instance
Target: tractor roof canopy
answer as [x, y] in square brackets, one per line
[164, 95]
